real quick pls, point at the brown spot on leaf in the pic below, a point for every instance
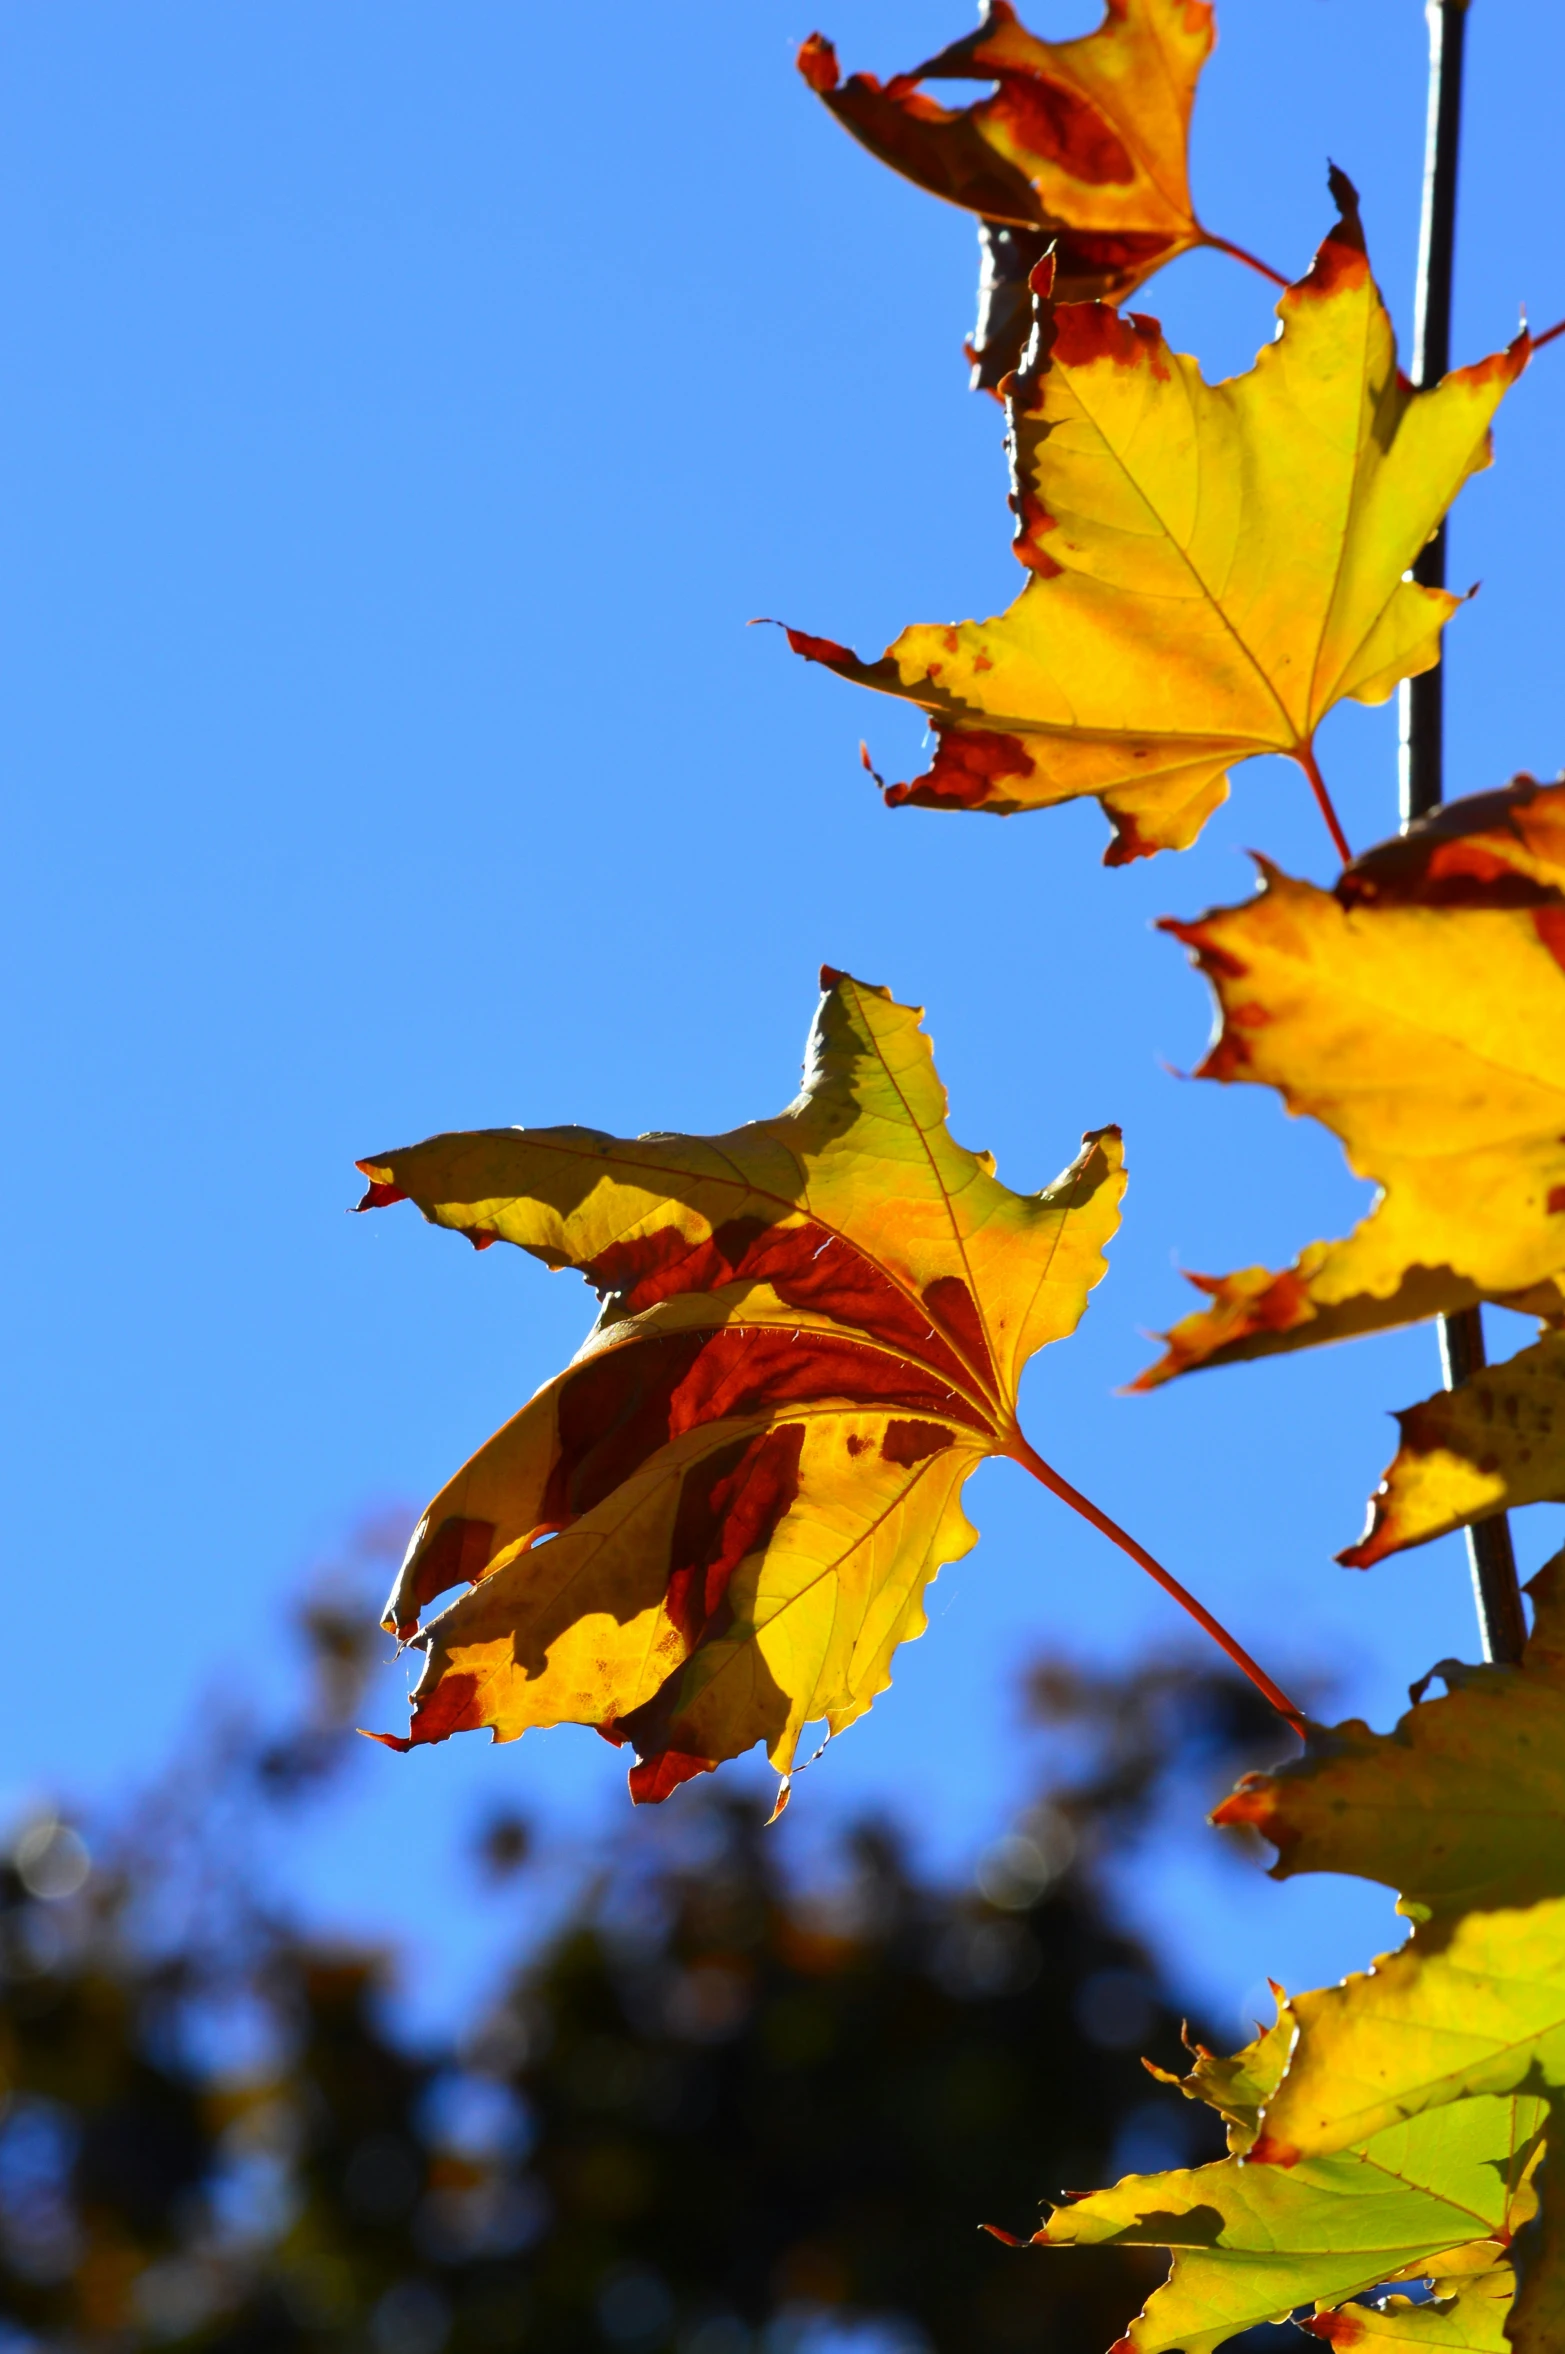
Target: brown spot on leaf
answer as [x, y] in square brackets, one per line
[1555, 1203]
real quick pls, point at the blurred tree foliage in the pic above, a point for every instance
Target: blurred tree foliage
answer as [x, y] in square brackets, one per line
[715, 2114]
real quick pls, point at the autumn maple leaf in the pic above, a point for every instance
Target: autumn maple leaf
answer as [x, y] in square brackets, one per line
[1213, 567]
[1081, 141]
[718, 1523]
[1418, 1010]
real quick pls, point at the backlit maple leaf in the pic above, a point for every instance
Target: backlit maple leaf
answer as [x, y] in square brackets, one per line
[1418, 1010]
[718, 1523]
[1213, 567]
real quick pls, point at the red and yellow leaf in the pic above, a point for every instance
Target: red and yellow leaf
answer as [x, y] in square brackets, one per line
[1211, 567]
[718, 1523]
[1418, 1010]
[1083, 140]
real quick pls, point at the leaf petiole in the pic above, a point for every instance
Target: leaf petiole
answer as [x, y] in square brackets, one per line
[1251, 261]
[1304, 754]
[1030, 1460]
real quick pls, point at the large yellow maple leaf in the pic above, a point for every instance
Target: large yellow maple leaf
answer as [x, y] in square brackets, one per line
[718, 1523]
[1083, 140]
[1212, 567]
[1418, 1010]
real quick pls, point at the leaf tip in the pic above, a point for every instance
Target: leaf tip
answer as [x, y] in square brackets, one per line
[817, 61]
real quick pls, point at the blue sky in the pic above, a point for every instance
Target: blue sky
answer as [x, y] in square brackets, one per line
[407, 410]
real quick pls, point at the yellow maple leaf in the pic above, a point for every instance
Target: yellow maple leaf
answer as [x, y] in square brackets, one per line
[1418, 1010]
[1212, 567]
[718, 1523]
[1084, 141]
[1495, 1441]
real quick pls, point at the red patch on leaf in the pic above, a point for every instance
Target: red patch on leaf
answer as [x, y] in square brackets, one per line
[1210, 957]
[452, 1707]
[949, 1300]
[807, 1267]
[729, 1506]
[817, 649]
[1088, 331]
[380, 1197]
[817, 61]
[1250, 1807]
[969, 765]
[829, 973]
[618, 1409]
[908, 1443]
[657, 1777]
[1338, 2329]
[1034, 521]
[1061, 126]
[1549, 924]
[1556, 1200]
[1267, 2152]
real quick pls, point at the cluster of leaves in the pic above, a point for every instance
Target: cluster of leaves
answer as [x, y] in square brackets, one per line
[715, 1527]
[718, 2109]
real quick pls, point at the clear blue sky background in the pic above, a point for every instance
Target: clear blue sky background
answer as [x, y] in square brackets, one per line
[407, 407]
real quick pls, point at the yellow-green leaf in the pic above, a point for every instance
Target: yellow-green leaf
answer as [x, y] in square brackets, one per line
[1462, 1805]
[1466, 2006]
[1252, 2242]
[1497, 1440]
[1239, 2085]
[718, 1523]
[1212, 567]
[1085, 140]
[1418, 1010]
[1466, 2315]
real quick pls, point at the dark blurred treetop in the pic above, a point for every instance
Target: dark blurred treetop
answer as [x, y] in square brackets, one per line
[713, 2115]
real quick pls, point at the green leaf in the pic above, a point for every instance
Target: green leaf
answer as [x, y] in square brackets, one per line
[1252, 2242]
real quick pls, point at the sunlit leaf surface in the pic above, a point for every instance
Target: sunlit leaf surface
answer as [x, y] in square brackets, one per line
[718, 1523]
[1418, 1010]
[1212, 567]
